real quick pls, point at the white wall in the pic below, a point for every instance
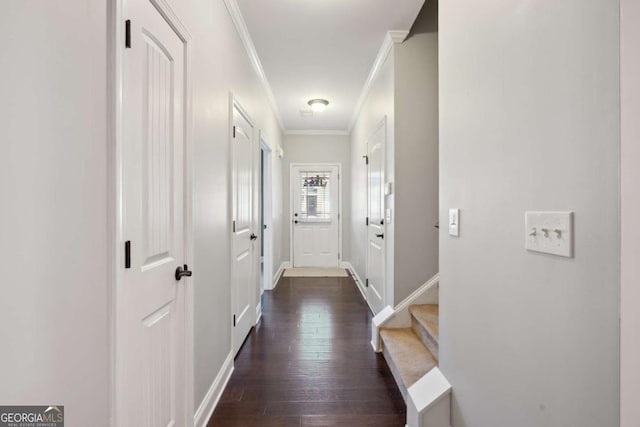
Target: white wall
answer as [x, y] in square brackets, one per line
[53, 221]
[529, 113]
[220, 65]
[630, 173]
[317, 149]
[378, 105]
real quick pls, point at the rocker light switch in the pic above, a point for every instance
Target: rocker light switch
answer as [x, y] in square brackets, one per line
[549, 232]
[454, 222]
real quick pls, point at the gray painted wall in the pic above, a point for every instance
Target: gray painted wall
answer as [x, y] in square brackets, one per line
[630, 268]
[406, 92]
[53, 223]
[317, 149]
[377, 106]
[219, 66]
[416, 155]
[529, 120]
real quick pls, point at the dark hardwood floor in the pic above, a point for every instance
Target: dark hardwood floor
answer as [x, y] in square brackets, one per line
[309, 363]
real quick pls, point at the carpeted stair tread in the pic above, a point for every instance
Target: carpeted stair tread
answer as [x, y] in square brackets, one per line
[427, 316]
[410, 357]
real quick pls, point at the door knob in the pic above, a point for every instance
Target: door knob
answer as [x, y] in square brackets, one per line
[380, 235]
[253, 236]
[180, 272]
[295, 222]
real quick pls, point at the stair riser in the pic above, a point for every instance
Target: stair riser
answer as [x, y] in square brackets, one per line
[395, 372]
[427, 339]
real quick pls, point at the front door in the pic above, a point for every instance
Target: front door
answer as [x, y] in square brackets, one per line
[243, 274]
[151, 341]
[315, 216]
[376, 228]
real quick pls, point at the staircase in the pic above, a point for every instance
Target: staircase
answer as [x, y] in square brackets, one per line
[412, 352]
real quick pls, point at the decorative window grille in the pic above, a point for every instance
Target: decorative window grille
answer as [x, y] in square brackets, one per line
[315, 202]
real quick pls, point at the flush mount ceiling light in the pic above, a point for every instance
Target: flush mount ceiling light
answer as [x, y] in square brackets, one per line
[318, 105]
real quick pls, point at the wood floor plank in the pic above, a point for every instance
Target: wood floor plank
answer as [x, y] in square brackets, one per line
[309, 363]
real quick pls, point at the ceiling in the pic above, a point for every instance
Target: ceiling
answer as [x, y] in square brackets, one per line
[321, 49]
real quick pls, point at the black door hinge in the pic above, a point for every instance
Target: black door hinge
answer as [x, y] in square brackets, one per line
[367, 221]
[127, 254]
[234, 131]
[127, 33]
[366, 159]
[234, 226]
[234, 320]
[366, 283]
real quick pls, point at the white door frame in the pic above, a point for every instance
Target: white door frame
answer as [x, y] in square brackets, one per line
[267, 201]
[387, 282]
[291, 167]
[116, 40]
[235, 103]
[115, 107]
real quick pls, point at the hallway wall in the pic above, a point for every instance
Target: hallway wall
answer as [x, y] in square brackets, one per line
[317, 149]
[529, 120]
[220, 65]
[406, 93]
[416, 155]
[630, 205]
[378, 105]
[53, 221]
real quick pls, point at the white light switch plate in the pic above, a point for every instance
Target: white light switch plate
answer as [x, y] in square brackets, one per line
[549, 232]
[454, 222]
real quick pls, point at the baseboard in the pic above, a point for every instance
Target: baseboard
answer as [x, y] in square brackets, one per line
[258, 312]
[347, 265]
[205, 410]
[281, 269]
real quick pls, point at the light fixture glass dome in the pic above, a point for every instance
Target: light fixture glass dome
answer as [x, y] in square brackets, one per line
[318, 105]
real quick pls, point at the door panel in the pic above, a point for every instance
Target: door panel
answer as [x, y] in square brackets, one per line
[315, 206]
[244, 278]
[151, 302]
[376, 247]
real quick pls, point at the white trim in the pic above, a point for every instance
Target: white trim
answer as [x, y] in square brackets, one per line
[279, 273]
[429, 401]
[258, 312]
[358, 280]
[391, 38]
[340, 191]
[208, 404]
[266, 205]
[317, 132]
[399, 316]
[234, 104]
[115, 203]
[245, 37]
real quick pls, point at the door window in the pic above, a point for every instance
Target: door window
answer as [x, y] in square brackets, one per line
[315, 202]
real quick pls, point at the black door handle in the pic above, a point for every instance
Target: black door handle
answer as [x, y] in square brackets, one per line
[380, 235]
[180, 272]
[253, 236]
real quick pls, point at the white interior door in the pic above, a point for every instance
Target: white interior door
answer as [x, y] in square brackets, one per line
[151, 362]
[243, 280]
[315, 212]
[376, 229]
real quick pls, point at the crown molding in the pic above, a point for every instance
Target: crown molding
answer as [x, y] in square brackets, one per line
[317, 132]
[391, 38]
[243, 32]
